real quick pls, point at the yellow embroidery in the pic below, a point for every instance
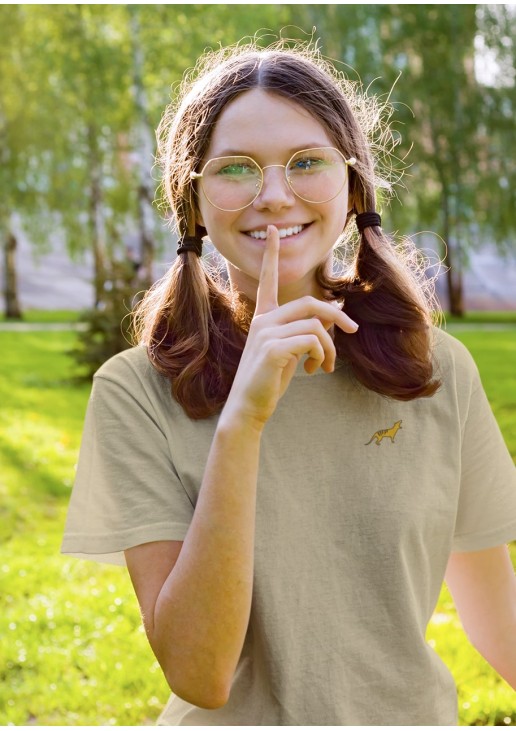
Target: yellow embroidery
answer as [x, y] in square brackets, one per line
[382, 433]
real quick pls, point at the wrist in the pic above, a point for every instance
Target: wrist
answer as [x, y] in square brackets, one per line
[235, 421]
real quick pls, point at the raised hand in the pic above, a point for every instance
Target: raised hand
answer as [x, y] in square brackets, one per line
[278, 338]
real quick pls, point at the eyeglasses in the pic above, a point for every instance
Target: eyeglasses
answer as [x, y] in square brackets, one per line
[232, 183]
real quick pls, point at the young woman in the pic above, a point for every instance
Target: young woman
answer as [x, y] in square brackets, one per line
[291, 465]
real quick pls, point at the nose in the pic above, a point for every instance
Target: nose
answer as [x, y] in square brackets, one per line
[275, 193]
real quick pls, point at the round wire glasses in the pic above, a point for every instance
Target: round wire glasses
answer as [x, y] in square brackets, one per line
[234, 182]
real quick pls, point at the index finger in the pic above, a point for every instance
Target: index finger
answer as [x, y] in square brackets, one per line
[267, 295]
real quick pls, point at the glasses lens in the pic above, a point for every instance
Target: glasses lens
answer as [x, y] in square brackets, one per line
[317, 175]
[231, 183]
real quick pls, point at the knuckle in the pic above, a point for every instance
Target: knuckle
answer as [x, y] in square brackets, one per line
[308, 300]
[319, 327]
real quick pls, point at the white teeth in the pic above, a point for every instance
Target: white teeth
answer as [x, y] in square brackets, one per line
[283, 232]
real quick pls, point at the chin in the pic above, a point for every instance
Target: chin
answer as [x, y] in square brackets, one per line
[292, 275]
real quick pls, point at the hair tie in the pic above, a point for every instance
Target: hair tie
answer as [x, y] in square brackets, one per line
[190, 243]
[369, 218]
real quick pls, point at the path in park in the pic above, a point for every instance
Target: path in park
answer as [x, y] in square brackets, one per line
[53, 281]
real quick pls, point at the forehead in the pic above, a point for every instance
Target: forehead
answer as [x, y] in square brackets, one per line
[260, 123]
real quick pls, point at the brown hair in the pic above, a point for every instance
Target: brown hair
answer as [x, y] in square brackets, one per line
[195, 328]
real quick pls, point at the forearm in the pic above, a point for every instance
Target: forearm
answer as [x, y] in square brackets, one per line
[500, 652]
[202, 612]
[483, 587]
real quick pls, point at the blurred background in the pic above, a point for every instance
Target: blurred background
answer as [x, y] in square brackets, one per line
[83, 88]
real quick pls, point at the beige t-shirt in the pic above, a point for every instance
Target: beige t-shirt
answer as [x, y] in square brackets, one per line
[360, 501]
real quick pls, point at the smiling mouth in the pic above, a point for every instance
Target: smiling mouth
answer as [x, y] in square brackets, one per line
[284, 233]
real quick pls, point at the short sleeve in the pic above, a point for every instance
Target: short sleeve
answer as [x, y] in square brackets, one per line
[126, 490]
[486, 514]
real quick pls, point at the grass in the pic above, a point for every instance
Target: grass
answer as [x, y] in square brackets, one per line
[73, 651]
[484, 317]
[44, 316]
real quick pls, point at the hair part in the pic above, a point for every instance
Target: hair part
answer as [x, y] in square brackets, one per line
[195, 328]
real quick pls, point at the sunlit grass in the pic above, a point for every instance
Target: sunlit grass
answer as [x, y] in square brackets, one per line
[483, 317]
[73, 651]
[38, 316]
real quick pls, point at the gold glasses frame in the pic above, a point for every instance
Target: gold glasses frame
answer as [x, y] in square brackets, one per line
[350, 162]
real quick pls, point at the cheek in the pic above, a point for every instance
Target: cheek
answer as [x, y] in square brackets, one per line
[211, 218]
[340, 213]
[335, 215]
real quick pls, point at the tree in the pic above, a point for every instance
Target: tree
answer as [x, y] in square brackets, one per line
[496, 50]
[14, 153]
[144, 149]
[448, 122]
[460, 181]
[84, 86]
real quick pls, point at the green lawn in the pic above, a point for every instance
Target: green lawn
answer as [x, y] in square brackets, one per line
[73, 651]
[47, 316]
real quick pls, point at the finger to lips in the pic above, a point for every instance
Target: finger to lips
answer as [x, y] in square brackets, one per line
[323, 311]
[267, 295]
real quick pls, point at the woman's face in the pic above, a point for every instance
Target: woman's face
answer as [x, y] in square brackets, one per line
[270, 128]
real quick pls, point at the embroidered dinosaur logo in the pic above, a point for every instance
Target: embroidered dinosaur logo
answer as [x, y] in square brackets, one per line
[382, 433]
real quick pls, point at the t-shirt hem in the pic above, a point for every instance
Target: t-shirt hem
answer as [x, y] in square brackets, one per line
[110, 548]
[490, 539]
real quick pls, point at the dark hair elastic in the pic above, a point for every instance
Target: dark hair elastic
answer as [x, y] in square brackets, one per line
[190, 243]
[369, 218]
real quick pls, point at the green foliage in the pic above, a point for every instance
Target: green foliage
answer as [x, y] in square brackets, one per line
[107, 328]
[73, 651]
[74, 66]
[71, 129]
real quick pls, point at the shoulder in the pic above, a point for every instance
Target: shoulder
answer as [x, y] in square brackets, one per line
[133, 363]
[131, 371]
[453, 361]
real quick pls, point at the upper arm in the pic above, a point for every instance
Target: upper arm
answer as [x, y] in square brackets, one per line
[149, 566]
[483, 587]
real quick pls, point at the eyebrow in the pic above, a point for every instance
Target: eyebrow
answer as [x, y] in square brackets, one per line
[230, 152]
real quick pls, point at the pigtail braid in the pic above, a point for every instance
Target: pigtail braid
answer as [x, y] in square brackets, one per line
[187, 323]
[391, 351]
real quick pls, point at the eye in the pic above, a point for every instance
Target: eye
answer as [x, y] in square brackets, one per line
[237, 169]
[307, 164]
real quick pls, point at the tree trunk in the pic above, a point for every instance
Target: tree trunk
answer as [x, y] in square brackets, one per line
[145, 155]
[12, 304]
[452, 260]
[97, 227]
